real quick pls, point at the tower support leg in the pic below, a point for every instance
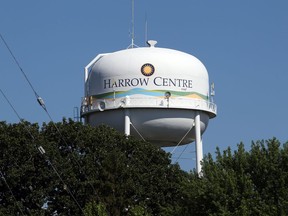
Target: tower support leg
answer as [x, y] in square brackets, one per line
[127, 122]
[198, 143]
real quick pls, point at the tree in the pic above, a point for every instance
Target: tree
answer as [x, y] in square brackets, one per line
[22, 172]
[67, 168]
[241, 183]
[85, 169]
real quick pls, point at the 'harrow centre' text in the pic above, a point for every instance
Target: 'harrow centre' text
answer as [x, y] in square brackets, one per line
[157, 81]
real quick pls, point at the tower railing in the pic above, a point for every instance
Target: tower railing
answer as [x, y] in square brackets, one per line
[95, 105]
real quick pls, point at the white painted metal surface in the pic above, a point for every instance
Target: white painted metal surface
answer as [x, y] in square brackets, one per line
[198, 142]
[160, 92]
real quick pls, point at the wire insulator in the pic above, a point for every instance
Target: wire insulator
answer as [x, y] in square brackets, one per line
[41, 102]
[41, 150]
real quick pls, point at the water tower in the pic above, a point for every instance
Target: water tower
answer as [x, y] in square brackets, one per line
[157, 94]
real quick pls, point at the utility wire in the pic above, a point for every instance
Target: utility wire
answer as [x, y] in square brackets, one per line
[42, 151]
[9, 188]
[10, 105]
[17, 63]
[41, 103]
[16, 113]
[38, 98]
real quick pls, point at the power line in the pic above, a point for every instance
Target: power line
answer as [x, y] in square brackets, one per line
[9, 188]
[11, 106]
[38, 98]
[16, 113]
[42, 151]
[17, 63]
[40, 102]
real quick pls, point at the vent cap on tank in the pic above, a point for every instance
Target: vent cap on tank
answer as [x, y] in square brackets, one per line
[151, 43]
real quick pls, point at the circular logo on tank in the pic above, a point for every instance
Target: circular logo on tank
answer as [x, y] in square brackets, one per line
[147, 69]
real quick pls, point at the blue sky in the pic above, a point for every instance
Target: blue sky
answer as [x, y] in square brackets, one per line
[243, 45]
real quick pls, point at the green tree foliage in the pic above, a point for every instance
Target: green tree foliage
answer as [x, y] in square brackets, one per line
[103, 170]
[95, 209]
[241, 183]
[98, 171]
[23, 168]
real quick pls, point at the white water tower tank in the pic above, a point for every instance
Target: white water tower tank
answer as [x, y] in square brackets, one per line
[151, 93]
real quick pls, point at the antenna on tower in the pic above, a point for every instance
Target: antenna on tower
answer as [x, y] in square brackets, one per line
[212, 91]
[146, 28]
[132, 36]
[132, 45]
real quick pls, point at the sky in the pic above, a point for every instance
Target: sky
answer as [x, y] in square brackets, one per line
[243, 45]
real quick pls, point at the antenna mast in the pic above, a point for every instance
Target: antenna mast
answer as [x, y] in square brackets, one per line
[132, 36]
[132, 45]
[146, 29]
